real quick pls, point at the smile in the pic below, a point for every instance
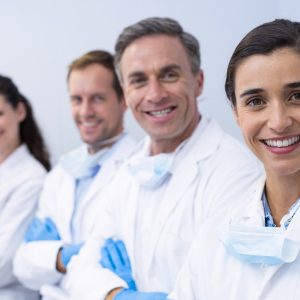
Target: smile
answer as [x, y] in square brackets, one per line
[88, 124]
[280, 143]
[160, 113]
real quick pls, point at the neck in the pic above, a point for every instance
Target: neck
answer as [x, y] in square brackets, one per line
[282, 192]
[92, 149]
[5, 152]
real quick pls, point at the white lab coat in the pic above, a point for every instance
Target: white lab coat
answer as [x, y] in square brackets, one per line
[35, 262]
[21, 178]
[212, 171]
[212, 273]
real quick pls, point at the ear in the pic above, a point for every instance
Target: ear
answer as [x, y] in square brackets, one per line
[21, 111]
[199, 83]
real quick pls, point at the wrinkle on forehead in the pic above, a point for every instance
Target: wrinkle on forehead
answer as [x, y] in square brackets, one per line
[152, 53]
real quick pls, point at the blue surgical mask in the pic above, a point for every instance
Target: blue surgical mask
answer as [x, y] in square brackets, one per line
[83, 165]
[259, 245]
[151, 171]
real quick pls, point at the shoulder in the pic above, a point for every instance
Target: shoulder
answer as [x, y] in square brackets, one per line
[25, 166]
[123, 178]
[228, 151]
[123, 148]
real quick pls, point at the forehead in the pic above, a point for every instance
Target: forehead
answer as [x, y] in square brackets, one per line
[276, 69]
[92, 76]
[3, 101]
[153, 52]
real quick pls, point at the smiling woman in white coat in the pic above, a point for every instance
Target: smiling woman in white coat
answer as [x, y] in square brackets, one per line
[23, 164]
[255, 253]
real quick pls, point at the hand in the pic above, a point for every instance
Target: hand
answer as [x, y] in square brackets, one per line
[41, 231]
[127, 294]
[68, 251]
[115, 258]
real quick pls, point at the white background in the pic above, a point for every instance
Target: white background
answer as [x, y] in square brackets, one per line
[39, 38]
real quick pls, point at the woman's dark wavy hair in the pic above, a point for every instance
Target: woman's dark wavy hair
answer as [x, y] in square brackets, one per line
[29, 131]
[263, 39]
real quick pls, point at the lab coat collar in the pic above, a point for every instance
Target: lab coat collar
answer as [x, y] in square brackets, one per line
[79, 163]
[110, 164]
[207, 135]
[253, 214]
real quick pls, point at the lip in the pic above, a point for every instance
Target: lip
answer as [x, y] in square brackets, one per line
[162, 114]
[88, 126]
[282, 145]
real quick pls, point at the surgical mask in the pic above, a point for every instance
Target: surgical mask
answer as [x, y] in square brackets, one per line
[84, 165]
[259, 245]
[151, 171]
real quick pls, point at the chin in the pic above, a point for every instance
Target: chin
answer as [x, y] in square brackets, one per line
[284, 169]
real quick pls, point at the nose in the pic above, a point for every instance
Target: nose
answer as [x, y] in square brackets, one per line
[156, 91]
[279, 118]
[86, 108]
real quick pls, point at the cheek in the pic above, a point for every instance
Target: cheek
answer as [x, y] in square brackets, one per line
[248, 130]
[132, 100]
[74, 111]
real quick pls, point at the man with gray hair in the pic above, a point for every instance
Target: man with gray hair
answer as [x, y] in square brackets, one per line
[185, 171]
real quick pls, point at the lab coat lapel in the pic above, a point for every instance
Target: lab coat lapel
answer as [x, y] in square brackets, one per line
[173, 195]
[66, 194]
[130, 218]
[253, 213]
[187, 171]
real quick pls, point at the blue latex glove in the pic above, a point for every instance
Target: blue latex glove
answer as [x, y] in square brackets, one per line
[39, 230]
[127, 294]
[68, 251]
[115, 258]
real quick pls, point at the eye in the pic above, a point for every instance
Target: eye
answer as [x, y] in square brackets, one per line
[255, 102]
[99, 98]
[295, 97]
[138, 81]
[75, 99]
[170, 76]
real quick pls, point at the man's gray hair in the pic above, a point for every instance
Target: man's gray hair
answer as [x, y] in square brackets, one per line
[155, 26]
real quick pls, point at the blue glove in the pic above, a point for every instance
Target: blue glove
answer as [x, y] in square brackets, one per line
[127, 294]
[41, 231]
[68, 251]
[115, 258]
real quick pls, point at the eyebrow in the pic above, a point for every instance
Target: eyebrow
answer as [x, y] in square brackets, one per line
[248, 92]
[251, 92]
[136, 74]
[170, 68]
[162, 70]
[293, 85]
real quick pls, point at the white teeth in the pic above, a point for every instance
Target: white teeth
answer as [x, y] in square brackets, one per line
[160, 113]
[283, 143]
[88, 124]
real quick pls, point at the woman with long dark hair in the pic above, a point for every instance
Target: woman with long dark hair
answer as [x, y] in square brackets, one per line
[255, 252]
[24, 161]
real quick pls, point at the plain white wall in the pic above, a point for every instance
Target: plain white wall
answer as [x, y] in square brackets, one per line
[40, 38]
